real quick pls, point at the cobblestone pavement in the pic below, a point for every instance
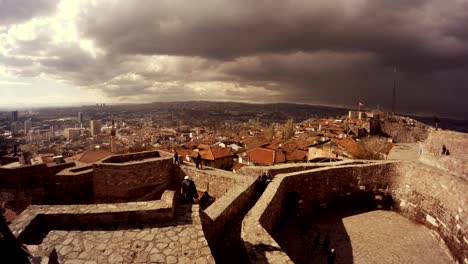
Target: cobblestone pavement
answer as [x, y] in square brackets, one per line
[369, 237]
[180, 241]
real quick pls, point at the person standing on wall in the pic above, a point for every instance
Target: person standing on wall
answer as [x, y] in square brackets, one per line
[198, 161]
[176, 157]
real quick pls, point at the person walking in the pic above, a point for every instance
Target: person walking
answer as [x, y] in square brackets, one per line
[176, 158]
[198, 161]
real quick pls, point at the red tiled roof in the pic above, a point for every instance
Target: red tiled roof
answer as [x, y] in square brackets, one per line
[296, 155]
[289, 146]
[237, 166]
[261, 156]
[273, 145]
[279, 157]
[255, 142]
[265, 156]
[91, 156]
[211, 152]
[351, 146]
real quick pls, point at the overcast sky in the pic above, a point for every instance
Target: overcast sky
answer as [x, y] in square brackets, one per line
[317, 52]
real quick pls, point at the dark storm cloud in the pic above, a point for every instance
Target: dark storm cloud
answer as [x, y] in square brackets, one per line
[15, 11]
[329, 52]
[228, 29]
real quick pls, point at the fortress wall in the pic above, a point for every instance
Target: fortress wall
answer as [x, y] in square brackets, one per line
[217, 182]
[128, 179]
[322, 187]
[74, 186]
[456, 143]
[37, 220]
[424, 194]
[227, 208]
[255, 171]
[438, 200]
[33, 182]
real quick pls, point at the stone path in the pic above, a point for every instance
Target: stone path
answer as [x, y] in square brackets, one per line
[179, 241]
[369, 237]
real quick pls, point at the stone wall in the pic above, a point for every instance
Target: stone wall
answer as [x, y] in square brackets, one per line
[216, 182]
[255, 171]
[38, 219]
[227, 208]
[456, 143]
[424, 194]
[438, 200]
[74, 185]
[30, 182]
[128, 179]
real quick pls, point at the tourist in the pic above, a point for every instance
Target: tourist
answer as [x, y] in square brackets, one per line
[206, 200]
[198, 161]
[176, 158]
[444, 150]
[331, 256]
[188, 190]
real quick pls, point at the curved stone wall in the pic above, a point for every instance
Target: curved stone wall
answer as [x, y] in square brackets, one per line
[422, 193]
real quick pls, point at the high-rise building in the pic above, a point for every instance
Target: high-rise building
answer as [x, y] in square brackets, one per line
[72, 133]
[80, 118]
[27, 126]
[95, 127]
[15, 127]
[13, 116]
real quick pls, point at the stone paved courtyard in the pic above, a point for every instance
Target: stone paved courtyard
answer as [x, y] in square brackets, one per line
[179, 241]
[361, 237]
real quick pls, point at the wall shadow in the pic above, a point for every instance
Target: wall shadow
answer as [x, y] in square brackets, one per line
[307, 236]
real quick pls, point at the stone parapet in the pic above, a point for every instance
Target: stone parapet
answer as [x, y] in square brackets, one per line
[37, 218]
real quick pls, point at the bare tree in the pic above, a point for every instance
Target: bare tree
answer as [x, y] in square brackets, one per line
[289, 129]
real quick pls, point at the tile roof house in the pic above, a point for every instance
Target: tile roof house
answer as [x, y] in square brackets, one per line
[214, 156]
[90, 156]
[262, 156]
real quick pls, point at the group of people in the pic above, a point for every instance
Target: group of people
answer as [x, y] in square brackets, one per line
[198, 160]
[263, 180]
[190, 194]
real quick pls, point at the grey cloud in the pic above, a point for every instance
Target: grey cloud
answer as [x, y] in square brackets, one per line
[329, 52]
[15, 11]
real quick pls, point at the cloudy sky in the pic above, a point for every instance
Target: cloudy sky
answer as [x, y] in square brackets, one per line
[317, 52]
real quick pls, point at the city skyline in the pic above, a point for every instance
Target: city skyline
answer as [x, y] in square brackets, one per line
[63, 53]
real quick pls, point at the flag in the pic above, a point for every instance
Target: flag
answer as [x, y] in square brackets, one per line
[360, 104]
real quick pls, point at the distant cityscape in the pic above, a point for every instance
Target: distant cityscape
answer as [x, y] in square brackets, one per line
[228, 135]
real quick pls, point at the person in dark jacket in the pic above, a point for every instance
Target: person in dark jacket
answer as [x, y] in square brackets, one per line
[176, 158]
[198, 161]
